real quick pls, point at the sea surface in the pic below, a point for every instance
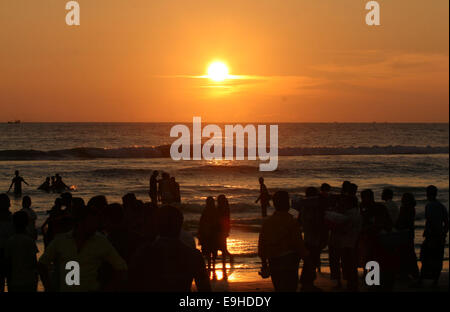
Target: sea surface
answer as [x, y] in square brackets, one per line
[116, 158]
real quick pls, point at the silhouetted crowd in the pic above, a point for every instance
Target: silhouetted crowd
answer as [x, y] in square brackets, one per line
[356, 231]
[165, 190]
[141, 246]
[132, 246]
[54, 184]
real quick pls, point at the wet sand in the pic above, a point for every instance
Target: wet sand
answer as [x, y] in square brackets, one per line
[323, 281]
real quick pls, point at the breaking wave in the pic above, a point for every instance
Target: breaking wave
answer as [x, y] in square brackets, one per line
[163, 151]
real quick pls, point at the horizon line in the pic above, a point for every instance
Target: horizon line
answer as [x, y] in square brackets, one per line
[246, 122]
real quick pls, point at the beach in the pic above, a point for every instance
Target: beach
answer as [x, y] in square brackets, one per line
[114, 159]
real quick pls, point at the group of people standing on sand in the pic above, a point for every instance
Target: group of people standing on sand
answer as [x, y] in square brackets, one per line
[127, 246]
[138, 246]
[356, 232]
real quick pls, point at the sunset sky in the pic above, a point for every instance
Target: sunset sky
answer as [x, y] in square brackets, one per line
[294, 61]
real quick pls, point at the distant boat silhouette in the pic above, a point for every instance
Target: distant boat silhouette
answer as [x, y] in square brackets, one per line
[14, 122]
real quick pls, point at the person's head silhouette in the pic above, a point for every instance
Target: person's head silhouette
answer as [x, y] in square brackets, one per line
[222, 201]
[98, 204]
[88, 221]
[210, 204]
[281, 201]
[129, 200]
[367, 197]
[16, 173]
[345, 187]
[5, 203]
[66, 199]
[26, 202]
[432, 192]
[353, 189]
[261, 180]
[408, 200]
[325, 188]
[387, 194]
[311, 192]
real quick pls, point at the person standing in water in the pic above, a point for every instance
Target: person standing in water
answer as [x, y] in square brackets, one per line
[59, 185]
[175, 190]
[45, 186]
[17, 182]
[263, 197]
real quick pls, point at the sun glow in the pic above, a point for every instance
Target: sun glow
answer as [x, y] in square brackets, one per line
[218, 71]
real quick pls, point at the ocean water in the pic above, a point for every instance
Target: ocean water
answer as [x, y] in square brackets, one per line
[116, 158]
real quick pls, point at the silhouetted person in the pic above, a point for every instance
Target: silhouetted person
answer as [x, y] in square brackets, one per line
[175, 190]
[223, 209]
[32, 217]
[168, 265]
[46, 186]
[99, 204]
[59, 186]
[348, 236]
[327, 202]
[20, 257]
[6, 231]
[405, 222]
[311, 218]
[133, 209]
[148, 216]
[377, 222]
[85, 246]
[209, 232]
[56, 222]
[263, 198]
[387, 195]
[78, 208]
[66, 201]
[164, 193]
[280, 245]
[124, 240]
[334, 252]
[121, 237]
[435, 233]
[153, 191]
[17, 182]
[52, 183]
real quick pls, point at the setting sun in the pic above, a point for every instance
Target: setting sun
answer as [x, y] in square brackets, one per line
[218, 71]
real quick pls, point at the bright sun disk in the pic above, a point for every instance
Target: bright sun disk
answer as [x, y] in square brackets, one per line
[218, 71]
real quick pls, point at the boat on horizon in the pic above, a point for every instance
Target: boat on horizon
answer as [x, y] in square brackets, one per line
[14, 122]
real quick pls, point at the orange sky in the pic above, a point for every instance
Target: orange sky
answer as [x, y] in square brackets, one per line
[307, 61]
